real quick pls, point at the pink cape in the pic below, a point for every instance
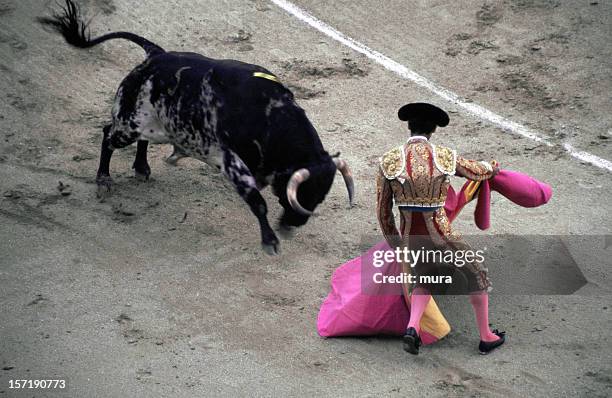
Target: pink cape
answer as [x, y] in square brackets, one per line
[519, 188]
[356, 306]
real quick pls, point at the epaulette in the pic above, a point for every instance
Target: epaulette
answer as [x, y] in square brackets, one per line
[393, 162]
[445, 159]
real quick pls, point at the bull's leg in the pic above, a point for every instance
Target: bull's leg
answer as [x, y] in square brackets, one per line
[111, 141]
[141, 166]
[176, 155]
[243, 181]
[103, 178]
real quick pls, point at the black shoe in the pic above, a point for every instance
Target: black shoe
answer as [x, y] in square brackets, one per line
[486, 347]
[412, 341]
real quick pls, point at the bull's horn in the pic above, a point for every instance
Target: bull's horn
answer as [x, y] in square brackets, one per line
[348, 178]
[296, 179]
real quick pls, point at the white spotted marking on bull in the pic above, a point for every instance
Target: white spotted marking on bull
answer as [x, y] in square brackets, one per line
[117, 104]
[274, 103]
[178, 79]
[150, 127]
[404, 72]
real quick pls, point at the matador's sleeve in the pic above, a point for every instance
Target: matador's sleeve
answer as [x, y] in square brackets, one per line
[476, 170]
[384, 209]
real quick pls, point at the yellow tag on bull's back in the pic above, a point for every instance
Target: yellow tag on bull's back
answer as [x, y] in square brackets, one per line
[266, 76]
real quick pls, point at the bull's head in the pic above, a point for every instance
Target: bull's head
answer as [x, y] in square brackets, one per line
[306, 188]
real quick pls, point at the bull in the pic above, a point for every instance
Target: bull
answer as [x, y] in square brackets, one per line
[234, 116]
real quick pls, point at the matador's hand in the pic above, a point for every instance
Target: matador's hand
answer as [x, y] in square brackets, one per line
[495, 166]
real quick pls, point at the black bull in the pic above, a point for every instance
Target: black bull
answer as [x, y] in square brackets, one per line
[234, 116]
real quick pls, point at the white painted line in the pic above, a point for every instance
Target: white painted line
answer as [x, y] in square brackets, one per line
[401, 70]
[588, 157]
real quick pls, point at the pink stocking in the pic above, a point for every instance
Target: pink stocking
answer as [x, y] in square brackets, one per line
[480, 302]
[418, 301]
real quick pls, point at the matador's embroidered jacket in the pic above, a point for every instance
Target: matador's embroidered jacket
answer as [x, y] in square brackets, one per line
[416, 177]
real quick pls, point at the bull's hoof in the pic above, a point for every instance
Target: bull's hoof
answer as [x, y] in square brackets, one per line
[286, 231]
[142, 177]
[105, 184]
[272, 249]
[173, 159]
[142, 171]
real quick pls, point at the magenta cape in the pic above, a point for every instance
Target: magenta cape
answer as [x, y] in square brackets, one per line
[356, 306]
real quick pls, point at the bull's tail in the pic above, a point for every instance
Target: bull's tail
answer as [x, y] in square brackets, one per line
[70, 24]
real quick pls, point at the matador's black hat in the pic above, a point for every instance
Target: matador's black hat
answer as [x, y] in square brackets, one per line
[422, 111]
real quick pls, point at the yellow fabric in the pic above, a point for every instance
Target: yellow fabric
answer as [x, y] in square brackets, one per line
[432, 322]
[471, 190]
[266, 76]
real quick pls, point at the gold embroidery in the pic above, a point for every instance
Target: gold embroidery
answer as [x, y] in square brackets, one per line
[445, 226]
[442, 222]
[422, 150]
[392, 163]
[444, 189]
[473, 166]
[419, 201]
[475, 170]
[445, 159]
[419, 164]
